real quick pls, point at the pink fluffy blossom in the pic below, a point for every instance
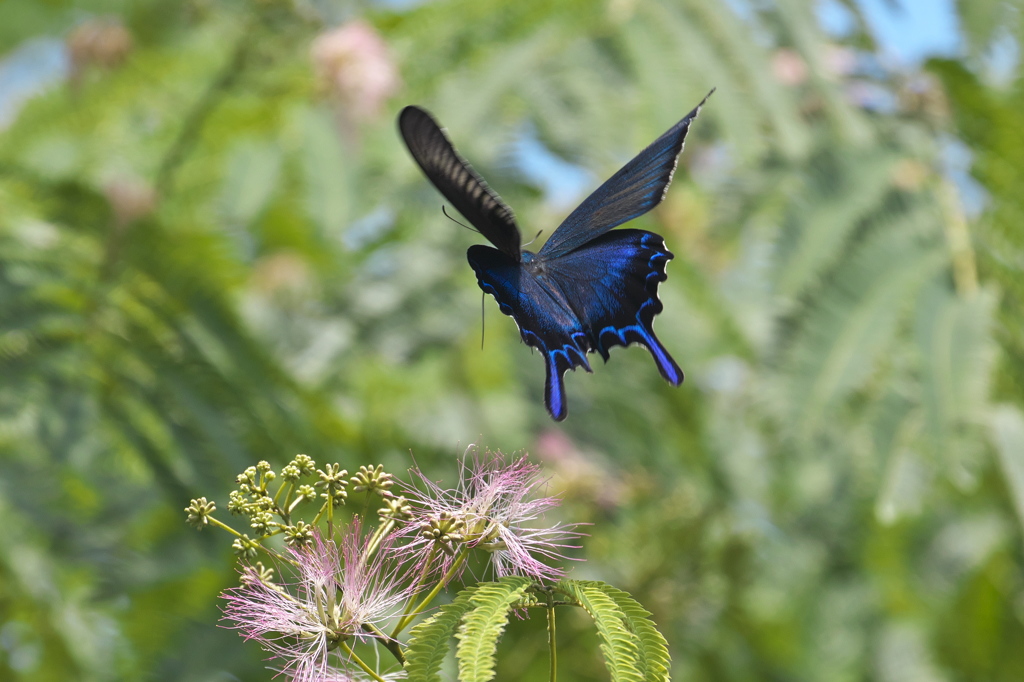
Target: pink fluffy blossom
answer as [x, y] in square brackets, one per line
[337, 592]
[494, 512]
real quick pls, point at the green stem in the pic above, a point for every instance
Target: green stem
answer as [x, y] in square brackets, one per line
[283, 507]
[391, 644]
[277, 555]
[366, 669]
[419, 583]
[407, 618]
[222, 525]
[320, 514]
[330, 516]
[382, 530]
[295, 503]
[552, 653]
[271, 552]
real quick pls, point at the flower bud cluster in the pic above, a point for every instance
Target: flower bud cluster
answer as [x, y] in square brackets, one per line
[332, 482]
[199, 512]
[374, 480]
[269, 512]
[445, 529]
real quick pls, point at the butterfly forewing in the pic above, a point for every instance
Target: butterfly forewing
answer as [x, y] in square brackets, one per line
[458, 182]
[634, 190]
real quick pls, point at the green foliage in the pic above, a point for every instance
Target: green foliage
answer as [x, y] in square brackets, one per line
[477, 617]
[633, 648]
[207, 259]
[483, 624]
[428, 641]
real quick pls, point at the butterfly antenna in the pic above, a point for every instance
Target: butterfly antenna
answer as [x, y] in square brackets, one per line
[472, 229]
[534, 238]
[483, 308]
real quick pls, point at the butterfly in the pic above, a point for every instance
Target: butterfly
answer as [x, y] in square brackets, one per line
[587, 289]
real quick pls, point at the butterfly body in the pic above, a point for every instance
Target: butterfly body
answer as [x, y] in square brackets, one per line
[588, 289]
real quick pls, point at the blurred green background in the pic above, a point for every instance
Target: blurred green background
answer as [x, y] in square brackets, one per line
[214, 249]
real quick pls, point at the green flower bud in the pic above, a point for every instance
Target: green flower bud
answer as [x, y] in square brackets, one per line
[332, 482]
[199, 512]
[299, 535]
[305, 464]
[261, 522]
[237, 503]
[259, 573]
[445, 529]
[245, 547]
[396, 508]
[372, 480]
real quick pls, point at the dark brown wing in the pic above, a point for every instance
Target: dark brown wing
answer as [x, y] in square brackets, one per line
[638, 187]
[458, 182]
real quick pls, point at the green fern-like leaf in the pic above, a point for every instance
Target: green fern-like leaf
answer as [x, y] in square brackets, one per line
[481, 628]
[482, 611]
[652, 647]
[620, 646]
[428, 641]
[854, 318]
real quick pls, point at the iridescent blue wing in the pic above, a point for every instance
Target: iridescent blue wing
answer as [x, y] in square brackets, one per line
[458, 182]
[601, 295]
[634, 190]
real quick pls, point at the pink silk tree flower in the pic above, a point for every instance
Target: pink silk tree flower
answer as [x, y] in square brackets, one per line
[336, 593]
[356, 64]
[490, 510]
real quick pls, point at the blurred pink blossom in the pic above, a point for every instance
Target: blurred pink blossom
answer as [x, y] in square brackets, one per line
[579, 473]
[356, 64]
[103, 42]
[839, 61]
[788, 67]
[131, 199]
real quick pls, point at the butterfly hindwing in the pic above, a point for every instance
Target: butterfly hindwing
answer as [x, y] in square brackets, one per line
[601, 295]
[546, 320]
[634, 190]
[457, 181]
[612, 284]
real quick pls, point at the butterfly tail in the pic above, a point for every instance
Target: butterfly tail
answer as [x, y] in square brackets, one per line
[666, 365]
[554, 387]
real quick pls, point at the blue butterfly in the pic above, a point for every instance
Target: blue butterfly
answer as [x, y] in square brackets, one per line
[587, 289]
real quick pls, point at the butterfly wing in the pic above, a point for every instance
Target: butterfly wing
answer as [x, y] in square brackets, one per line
[611, 284]
[634, 190]
[546, 320]
[458, 182]
[602, 295]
